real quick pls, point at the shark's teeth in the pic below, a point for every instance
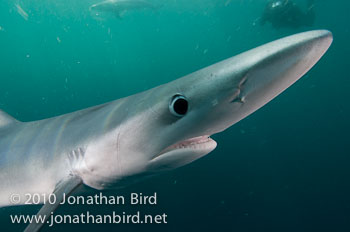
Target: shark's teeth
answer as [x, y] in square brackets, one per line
[192, 143]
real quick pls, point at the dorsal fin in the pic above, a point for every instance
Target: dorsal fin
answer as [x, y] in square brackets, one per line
[6, 119]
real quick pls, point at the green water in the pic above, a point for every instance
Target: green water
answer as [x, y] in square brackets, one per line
[284, 168]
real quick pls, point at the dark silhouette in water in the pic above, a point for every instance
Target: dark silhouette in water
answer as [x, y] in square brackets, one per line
[286, 14]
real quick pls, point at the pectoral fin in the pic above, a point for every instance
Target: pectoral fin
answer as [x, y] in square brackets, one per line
[65, 186]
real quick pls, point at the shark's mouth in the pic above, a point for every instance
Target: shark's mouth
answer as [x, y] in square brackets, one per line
[203, 142]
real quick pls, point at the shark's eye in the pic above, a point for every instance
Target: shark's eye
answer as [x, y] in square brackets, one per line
[178, 105]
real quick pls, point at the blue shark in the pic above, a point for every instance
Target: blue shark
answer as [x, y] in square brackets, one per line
[117, 143]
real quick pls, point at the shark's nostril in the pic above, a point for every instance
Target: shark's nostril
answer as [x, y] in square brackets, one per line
[238, 95]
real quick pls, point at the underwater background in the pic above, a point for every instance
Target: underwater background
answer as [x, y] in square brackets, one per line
[284, 168]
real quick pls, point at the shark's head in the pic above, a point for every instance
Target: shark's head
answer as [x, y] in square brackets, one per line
[170, 126]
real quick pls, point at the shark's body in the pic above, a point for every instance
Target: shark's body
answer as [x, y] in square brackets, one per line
[119, 7]
[166, 127]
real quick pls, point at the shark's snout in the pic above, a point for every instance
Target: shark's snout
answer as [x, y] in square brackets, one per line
[274, 67]
[255, 77]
